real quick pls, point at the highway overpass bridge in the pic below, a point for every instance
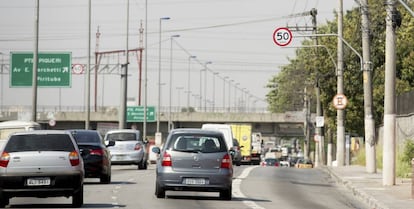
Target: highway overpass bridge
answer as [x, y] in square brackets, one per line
[271, 125]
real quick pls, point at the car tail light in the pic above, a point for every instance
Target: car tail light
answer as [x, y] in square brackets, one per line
[4, 159]
[166, 159]
[138, 146]
[74, 158]
[226, 161]
[96, 152]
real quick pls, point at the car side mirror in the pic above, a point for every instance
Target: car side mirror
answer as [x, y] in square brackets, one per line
[156, 150]
[110, 143]
[232, 152]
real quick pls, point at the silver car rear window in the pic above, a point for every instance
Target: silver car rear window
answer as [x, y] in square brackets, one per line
[197, 143]
[35, 142]
[122, 137]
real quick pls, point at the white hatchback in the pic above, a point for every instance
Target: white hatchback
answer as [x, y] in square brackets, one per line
[129, 147]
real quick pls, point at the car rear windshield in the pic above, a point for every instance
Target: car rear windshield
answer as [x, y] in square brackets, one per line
[197, 143]
[36, 142]
[121, 137]
[86, 137]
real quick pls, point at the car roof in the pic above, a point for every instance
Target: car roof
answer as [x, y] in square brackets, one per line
[122, 131]
[41, 132]
[195, 131]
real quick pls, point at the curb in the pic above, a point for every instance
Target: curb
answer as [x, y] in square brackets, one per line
[356, 192]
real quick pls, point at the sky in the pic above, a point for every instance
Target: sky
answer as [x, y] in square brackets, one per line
[235, 38]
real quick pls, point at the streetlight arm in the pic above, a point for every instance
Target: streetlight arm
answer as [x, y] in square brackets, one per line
[343, 40]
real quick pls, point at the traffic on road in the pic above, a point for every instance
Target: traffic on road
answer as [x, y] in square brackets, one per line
[254, 187]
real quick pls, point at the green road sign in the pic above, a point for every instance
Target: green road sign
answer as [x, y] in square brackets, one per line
[53, 69]
[136, 114]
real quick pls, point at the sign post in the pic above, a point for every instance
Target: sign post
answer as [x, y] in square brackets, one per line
[54, 69]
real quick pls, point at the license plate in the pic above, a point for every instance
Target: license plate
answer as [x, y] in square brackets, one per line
[38, 181]
[194, 181]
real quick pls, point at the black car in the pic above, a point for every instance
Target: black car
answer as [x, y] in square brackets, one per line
[95, 155]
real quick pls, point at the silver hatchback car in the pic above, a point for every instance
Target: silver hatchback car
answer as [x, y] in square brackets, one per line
[128, 149]
[194, 160]
[42, 163]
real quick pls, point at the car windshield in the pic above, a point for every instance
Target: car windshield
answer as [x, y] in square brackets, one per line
[35, 142]
[197, 143]
[86, 137]
[121, 137]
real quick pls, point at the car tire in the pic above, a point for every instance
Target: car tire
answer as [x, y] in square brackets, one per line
[105, 179]
[238, 163]
[142, 165]
[4, 201]
[226, 194]
[159, 191]
[77, 198]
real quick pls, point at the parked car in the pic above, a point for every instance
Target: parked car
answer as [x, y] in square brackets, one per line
[236, 153]
[270, 162]
[41, 163]
[95, 154]
[129, 147]
[304, 163]
[194, 160]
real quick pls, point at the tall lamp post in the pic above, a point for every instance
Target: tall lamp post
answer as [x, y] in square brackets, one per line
[188, 81]
[158, 134]
[171, 71]
[205, 85]
[214, 91]
[224, 92]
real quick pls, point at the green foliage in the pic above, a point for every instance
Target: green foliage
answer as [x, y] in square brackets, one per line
[286, 89]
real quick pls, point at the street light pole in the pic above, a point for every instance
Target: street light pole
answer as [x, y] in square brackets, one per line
[214, 90]
[188, 81]
[205, 85]
[159, 81]
[171, 71]
[224, 92]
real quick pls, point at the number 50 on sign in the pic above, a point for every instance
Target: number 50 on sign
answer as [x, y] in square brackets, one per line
[282, 36]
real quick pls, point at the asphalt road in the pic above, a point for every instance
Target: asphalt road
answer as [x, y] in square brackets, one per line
[253, 188]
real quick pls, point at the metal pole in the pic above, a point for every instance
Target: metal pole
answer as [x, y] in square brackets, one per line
[340, 155]
[144, 125]
[188, 81]
[370, 152]
[389, 152]
[201, 84]
[171, 79]
[214, 90]
[159, 75]
[88, 65]
[124, 78]
[35, 62]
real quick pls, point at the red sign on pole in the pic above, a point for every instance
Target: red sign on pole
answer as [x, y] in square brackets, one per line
[282, 36]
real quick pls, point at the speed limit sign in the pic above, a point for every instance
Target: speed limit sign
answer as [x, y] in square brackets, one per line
[282, 36]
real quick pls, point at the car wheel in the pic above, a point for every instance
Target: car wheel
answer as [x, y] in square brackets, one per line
[105, 179]
[226, 194]
[159, 191]
[77, 198]
[4, 201]
[142, 165]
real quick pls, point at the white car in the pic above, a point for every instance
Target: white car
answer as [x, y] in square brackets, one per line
[128, 149]
[41, 163]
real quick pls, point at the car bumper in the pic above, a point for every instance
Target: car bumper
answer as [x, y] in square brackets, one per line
[95, 167]
[127, 157]
[62, 184]
[213, 181]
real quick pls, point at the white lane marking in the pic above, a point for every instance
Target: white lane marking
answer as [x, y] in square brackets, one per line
[237, 191]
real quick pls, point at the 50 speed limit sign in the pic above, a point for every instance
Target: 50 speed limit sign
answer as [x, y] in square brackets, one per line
[282, 36]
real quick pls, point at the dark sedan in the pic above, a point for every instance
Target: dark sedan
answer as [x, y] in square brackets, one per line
[96, 156]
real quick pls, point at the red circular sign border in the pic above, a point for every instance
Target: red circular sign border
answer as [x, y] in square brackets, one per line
[290, 33]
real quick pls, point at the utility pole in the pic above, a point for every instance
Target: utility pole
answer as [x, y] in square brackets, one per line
[124, 78]
[388, 176]
[370, 153]
[319, 144]
[340, 129]
[35, 63]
